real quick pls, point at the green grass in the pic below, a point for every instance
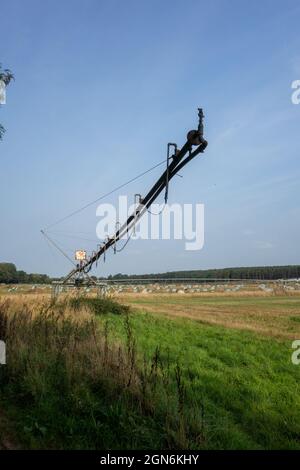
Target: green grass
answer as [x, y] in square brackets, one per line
[115, 380]
[296, 319]
[64, 387]
[246, 386]
[276, 316]
[99, 306]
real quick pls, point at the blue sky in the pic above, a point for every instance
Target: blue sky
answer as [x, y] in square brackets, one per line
[100, 89]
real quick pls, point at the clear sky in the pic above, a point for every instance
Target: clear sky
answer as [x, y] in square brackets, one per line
[102, 86]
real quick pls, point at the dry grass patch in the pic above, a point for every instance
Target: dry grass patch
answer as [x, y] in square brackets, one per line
[266, 314]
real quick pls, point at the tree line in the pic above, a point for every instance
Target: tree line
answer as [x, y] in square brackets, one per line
[10, 275]
[256, 272]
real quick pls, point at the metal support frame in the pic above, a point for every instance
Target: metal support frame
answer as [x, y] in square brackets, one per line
[58, 287]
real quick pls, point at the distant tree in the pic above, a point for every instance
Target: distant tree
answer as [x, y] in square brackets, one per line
[22, 276]
[8, 273]
[5, 76]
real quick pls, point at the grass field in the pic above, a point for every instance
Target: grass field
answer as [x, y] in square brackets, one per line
[244, 380]
[192, 371]
[272, 315]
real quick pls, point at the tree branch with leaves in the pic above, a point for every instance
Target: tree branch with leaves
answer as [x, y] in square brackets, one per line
[5, 76]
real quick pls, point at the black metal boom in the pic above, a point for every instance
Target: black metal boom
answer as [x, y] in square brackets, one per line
[175, 163]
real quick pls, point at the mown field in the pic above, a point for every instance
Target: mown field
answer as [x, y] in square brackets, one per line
[193, 371]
